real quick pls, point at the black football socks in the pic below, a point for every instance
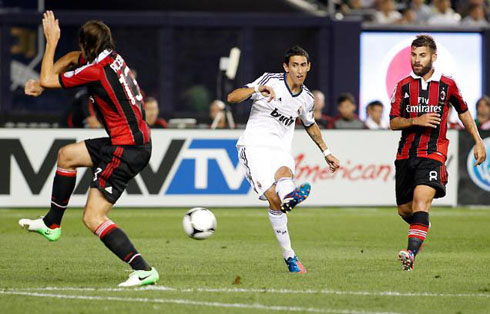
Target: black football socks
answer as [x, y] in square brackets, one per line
[63, 185]
[118, 242]
[417, 233]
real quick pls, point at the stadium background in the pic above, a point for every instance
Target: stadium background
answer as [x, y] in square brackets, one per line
[347, 233]
[175, 49]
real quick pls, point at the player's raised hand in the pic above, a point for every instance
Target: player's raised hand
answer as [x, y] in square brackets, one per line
[33, 88]
[51, 28]
[480, 153]
[332, 162]
[428, 120]
[267, 91]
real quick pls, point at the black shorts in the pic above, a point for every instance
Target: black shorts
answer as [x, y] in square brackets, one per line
[115, 165]
[419, 171]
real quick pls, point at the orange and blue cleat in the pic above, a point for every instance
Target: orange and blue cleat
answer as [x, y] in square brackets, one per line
[295, 197]
[295, 266]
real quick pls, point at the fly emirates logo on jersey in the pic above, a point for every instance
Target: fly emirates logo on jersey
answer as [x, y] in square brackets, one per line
[423, 106]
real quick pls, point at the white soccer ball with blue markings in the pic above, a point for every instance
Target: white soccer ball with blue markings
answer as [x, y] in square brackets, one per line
[199, 223]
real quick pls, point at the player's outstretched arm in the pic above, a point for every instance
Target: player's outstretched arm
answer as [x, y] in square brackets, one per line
[470, 126]
[315, 134]
[34, 88]
[64, 63]
[431, 120]
[49, 78]
[241, 94]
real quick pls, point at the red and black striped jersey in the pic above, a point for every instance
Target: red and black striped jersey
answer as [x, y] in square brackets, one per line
[414, 97]
[116, 95]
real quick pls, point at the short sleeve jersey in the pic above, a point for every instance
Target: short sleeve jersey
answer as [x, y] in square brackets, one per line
[414, 97]
[271, 124]
[116, 95]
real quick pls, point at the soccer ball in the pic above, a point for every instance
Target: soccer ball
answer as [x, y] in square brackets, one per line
[199, 223]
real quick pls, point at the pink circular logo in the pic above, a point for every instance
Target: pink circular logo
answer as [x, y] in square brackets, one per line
[399, 68]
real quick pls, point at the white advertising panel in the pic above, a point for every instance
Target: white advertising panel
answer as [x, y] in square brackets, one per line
[200, 168]
[385, 59]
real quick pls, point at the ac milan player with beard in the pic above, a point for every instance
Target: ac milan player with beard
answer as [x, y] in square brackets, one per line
[419, 107]
[115, 159]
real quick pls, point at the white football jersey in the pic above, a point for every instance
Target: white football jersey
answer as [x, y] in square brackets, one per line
[271, 124]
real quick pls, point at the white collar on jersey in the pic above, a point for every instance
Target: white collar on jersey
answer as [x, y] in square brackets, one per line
[101, 56]
[436, 76]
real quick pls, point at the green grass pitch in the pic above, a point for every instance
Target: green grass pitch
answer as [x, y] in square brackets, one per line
[350, 255]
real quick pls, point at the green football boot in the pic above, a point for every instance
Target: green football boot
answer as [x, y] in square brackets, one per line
[141, 278]
[38, 225]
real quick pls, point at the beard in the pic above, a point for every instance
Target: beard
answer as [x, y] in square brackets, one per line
[424, 70]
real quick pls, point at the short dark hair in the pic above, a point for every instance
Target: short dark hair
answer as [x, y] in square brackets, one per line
[95, 37]
[345, 96]
[150, 99]
[425, 41]
[375, 103]
[295, 51]
[473, 6]
[485, 99]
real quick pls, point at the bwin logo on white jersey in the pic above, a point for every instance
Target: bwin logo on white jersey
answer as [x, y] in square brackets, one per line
[282, 118]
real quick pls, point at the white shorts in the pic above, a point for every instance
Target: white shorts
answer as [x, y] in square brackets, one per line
[259, 166]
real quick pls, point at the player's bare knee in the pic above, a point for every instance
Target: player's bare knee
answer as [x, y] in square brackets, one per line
[65, 159]
[283, 172]
[421, 205]
[87, 221]
[92, 220]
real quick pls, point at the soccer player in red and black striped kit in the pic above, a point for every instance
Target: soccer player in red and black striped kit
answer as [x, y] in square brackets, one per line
[115, 159]
[419, 107]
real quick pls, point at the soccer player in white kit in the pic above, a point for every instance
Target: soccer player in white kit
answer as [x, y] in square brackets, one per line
[264, 149]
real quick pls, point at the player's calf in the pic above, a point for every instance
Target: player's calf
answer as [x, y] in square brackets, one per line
[405, 212]
[116, 240]
[63, 186]
[418, 231]
[419, 226]
[279, 222]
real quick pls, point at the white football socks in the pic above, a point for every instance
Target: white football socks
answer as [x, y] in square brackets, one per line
[284, 186]
[279, 222]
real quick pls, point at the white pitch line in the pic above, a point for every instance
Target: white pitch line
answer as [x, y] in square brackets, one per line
[271, 290]
[256, 306]
[337, 292]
